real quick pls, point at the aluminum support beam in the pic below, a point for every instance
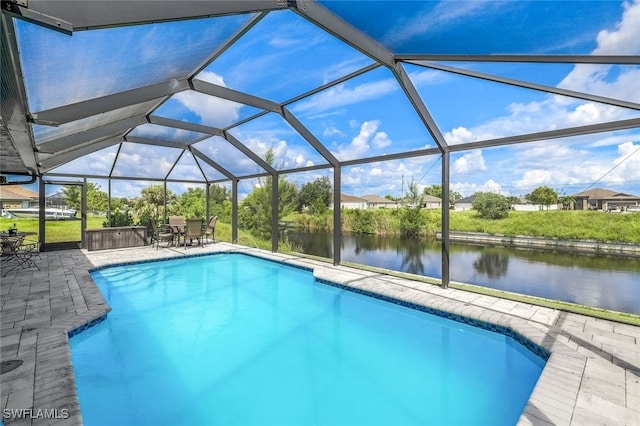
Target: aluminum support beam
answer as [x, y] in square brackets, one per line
[78, 110]
[83, 213]
[551, 134]
[415, 99]
[335, 25]
[553, 59]
[534, 86]
[254, 176]
[175, 163]
[14, 104]
[207, 204]
[308, 136]
[41, 213]
[337, 215]
[212, 163]
[48, 163]
[108, 200]
[249, 153]
[22, 12]
[90, 14]
[184, 125]
[234, 95]
[245, 120]
[115, 160]
[227, 44]
[114, 129]
[157, 142]
[333, 83]
[396, 156]
[234, 211]
[445, 219]
[164, 202]
[275, 216]
[305, 169]
[150, 179]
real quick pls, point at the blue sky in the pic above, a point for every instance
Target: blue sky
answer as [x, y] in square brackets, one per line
[284, 56]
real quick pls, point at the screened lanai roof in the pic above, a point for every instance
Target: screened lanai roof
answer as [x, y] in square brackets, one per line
[199, 91]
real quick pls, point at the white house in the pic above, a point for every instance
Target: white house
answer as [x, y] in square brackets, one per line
[431, 202]
[377, 202]
[352, 202]
[524, 205]
[465, 203]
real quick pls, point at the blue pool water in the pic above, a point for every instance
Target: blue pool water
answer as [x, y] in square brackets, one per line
[235, 340]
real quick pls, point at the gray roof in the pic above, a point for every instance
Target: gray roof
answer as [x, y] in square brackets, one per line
[431, 199]
[377, 199]
[603, 194]
[468, 199]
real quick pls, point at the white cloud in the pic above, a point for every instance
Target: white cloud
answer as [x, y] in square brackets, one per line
[534, 178]
[332, 131]
[211, 77]
[283, 42]
[426, 77]
[440, 17]
[459, 135]
[470, 162]
[628, 161]
[470, 188]
[381, 140]
[624, 40]
[561, 166]
[539, 154]
[212, 111]
[556, 112]
[145, 160]
[361, 143]
[286, 156]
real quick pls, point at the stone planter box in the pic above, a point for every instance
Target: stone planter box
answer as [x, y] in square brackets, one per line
[118, 237]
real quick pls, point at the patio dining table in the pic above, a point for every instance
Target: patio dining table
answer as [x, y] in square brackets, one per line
[13, 253]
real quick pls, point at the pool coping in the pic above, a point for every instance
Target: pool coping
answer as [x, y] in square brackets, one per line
[558, 398]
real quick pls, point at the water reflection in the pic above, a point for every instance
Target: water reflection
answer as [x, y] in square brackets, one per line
[605, 282]
[491, 263]
[412, 255]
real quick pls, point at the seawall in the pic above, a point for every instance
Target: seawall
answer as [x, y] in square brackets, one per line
[575, 246]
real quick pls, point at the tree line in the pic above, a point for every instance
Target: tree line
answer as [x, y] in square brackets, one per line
[311, 201]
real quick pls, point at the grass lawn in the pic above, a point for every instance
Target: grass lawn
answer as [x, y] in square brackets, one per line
[69, 230]
[574, 224]
[563, 224]
[57, 230]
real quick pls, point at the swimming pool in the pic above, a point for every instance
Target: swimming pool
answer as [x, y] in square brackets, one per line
[234, 340]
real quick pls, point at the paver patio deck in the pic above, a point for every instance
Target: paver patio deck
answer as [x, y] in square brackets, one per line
[592, 376]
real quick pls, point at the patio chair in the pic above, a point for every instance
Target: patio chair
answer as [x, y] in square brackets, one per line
[31, 250]
[211, 229]
[12, 256]
[177, 224]
[160, 233]
[193, 231]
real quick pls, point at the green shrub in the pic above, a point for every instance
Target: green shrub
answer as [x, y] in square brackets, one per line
[491, 206]
[118, 218]
[358, 221]
[411, 221]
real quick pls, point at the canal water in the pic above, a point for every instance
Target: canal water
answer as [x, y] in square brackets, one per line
[606, 282]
